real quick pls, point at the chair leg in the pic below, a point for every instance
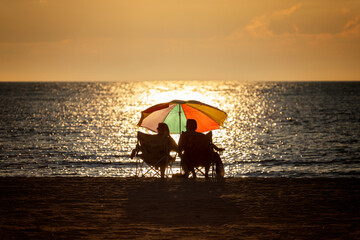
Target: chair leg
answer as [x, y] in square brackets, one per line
[168, 169]
[137, 167]
[193, 173]
[212, 170]
[162, 171]
[184, 168]
[207, 168]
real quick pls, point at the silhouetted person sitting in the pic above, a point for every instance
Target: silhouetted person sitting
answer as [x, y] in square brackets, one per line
[197, 150]
[155, 149]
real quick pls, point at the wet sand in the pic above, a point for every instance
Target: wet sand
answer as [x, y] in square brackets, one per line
[148, 208]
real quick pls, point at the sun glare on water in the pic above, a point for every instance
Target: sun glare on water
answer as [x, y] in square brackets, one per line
[161, 92]
[167, 96]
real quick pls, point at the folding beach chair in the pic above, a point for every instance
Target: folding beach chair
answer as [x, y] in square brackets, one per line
[199, 154]
[153, 153]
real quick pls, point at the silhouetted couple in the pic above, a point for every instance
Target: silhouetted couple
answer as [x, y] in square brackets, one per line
[195, 149]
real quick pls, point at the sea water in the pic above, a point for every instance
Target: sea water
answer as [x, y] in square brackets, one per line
[273, 129]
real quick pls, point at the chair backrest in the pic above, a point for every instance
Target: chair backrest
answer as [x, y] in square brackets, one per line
[154, 148]
[197, 144]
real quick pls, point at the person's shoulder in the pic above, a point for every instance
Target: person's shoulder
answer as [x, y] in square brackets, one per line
[192, 133]
[198, 134]
[189, 135]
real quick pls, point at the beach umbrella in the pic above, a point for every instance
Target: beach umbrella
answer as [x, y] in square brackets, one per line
[176, 112]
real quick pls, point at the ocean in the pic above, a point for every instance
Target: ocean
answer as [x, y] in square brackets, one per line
[273, 129]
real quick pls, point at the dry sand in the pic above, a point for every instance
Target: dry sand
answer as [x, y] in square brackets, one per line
[148, 208]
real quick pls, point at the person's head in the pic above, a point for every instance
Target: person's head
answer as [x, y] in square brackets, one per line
[163, 129]
[191, 125]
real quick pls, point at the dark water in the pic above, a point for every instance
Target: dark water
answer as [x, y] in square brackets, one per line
[273, 129]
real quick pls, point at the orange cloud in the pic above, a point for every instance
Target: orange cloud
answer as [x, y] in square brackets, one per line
[260, 26]
[286, 12]
[352, 23]
[352, 28]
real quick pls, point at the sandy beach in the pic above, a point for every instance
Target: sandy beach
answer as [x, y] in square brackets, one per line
[148, 208]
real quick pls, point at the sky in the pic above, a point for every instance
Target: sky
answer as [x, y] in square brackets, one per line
[136, 40]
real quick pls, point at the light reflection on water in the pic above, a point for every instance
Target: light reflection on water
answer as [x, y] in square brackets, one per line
[272, 129]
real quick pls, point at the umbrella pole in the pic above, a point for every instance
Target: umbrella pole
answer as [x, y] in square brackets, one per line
[180, 119]
[180, 134]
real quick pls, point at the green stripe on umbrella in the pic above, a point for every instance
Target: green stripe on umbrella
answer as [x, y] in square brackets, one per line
[174, 121]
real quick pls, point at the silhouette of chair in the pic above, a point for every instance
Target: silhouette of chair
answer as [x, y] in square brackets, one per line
[154, 156]
[198, 153]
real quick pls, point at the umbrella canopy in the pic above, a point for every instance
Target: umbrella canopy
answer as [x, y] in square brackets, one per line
[176, 112]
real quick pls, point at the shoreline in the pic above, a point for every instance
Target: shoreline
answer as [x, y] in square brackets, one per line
[151, 208]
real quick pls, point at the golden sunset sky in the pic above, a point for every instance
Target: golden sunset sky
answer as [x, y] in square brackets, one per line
[125, 40]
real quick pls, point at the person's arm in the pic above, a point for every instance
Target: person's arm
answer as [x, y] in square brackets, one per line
[135, 151]
[173, 145]
[180, 146]
[217, 148]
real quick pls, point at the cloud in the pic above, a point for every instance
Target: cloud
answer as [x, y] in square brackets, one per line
[352, 28]
[282, 27]
[286, 12]
[260, 26]
[352, 23]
